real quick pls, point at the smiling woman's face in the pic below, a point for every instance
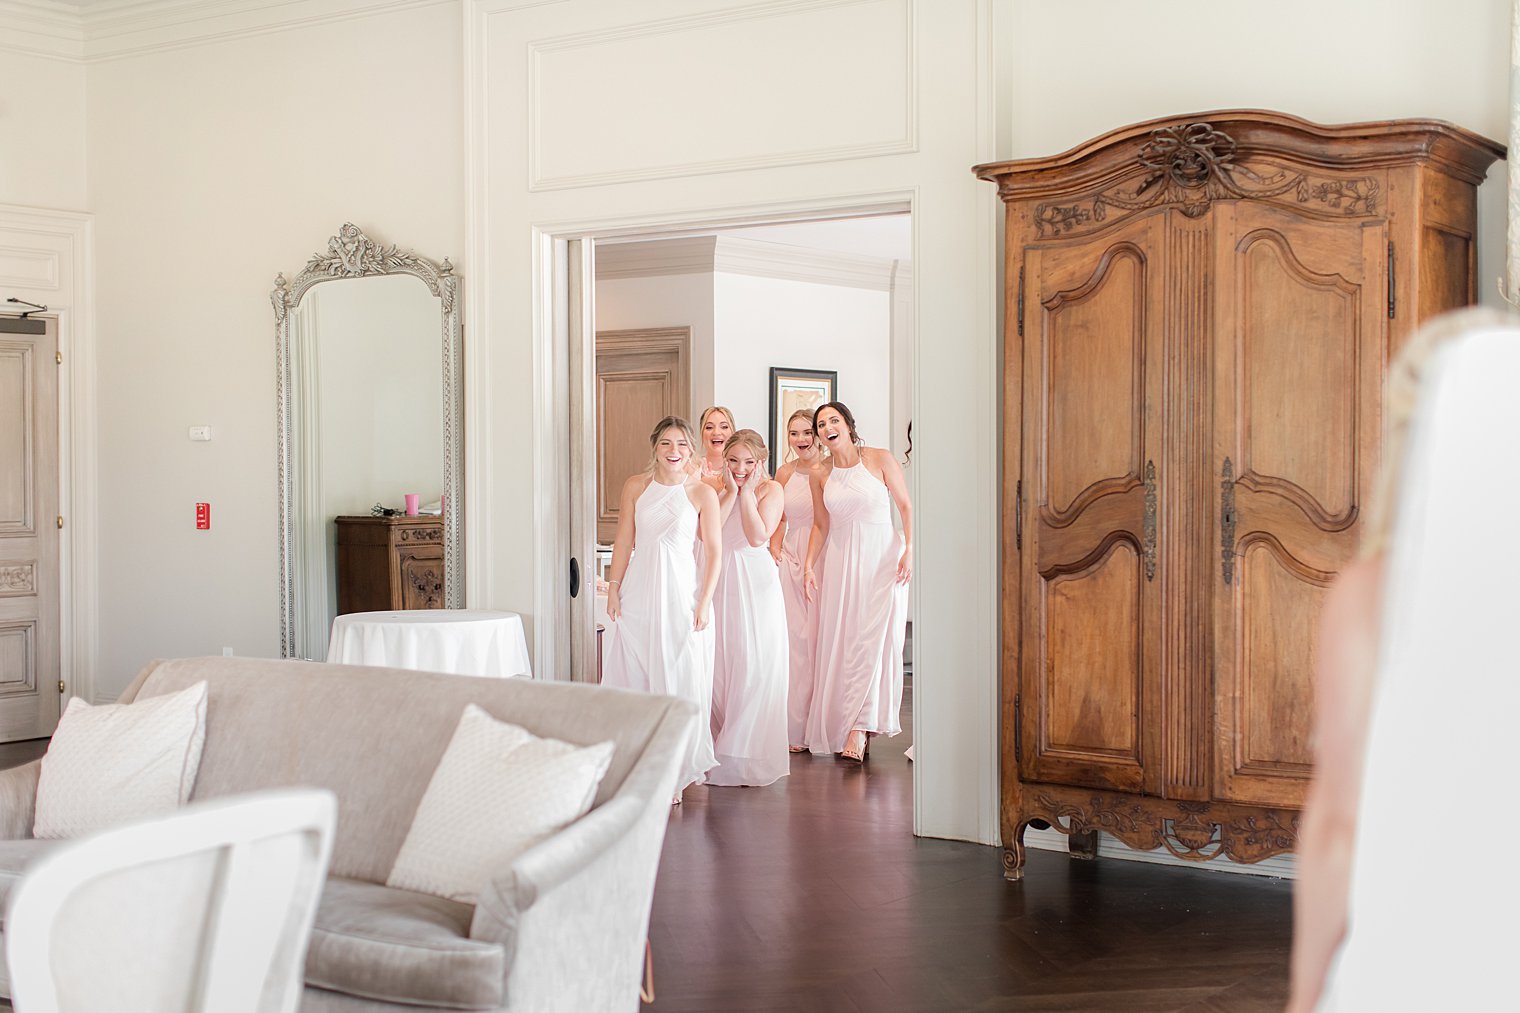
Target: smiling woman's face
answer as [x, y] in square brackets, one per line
[832, 429]
[800, 435]
[716, 429]
[672, 450]
[742, 463]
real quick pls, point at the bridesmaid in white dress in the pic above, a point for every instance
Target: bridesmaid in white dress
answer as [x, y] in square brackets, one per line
[862, 597]
[749, 617]
[789, 547]
[658, 604]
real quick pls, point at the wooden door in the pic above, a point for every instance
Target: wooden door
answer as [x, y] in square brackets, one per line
[641, 376]
[1091, 397]
[1300, 326]
[29, 575]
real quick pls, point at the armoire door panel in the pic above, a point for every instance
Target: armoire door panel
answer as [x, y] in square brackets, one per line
[1092, 659]
[1093, 318]
[1091, 656]
[1296, 359]
[1300, 329]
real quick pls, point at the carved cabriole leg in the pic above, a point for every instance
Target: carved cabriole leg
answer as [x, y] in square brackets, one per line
[1083, 844]
[1013, 854]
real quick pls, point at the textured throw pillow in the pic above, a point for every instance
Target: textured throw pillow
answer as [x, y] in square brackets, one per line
[498, 790]
[118, 763]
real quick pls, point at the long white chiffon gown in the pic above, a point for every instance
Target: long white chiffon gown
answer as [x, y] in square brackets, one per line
[801, 615]
[862, 615]
[749, 674]
[651, 647]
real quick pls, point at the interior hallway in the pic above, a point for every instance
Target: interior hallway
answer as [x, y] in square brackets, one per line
[813, 894]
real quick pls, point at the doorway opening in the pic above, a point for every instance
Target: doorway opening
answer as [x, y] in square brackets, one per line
[654, 321]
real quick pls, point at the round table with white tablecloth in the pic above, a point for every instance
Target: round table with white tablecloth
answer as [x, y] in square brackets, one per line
[457, 641]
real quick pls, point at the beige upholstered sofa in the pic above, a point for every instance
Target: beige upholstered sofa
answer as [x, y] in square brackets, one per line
[561, 928]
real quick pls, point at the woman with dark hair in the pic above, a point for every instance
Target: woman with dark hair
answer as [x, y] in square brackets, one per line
[749, 620]
[658, 604]
[789, 547]
[862, 591]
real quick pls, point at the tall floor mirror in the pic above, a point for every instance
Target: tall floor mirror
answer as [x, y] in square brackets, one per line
[369, 397]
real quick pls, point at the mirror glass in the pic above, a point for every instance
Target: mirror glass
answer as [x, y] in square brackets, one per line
[369, 408]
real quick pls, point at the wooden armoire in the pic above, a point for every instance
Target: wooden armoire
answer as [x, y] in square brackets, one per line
[1201, 311]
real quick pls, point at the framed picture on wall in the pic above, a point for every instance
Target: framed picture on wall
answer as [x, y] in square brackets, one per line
[792, 389]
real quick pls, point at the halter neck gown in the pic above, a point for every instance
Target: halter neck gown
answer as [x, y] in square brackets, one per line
[651, 647]
[862, 614]
[801, 615]
[749, 674]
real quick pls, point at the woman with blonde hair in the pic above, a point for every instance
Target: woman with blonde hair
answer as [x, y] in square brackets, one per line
[714, 428]
[658, 603]
[789, 548]
[749, 619]
[862, 598]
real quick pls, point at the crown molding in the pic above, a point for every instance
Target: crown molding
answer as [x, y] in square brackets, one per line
[733, 255]
[120, 28]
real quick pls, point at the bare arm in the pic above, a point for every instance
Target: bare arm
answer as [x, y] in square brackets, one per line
[820, 530]
[897, 486]
[710, 531]
[1344, 678]
[622, 543]
[760, 509]
[778, 537]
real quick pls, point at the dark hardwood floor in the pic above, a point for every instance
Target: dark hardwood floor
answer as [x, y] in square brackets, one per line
[813, 894]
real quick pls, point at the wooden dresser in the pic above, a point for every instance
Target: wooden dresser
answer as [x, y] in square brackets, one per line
[389, 563]
[1200, 315]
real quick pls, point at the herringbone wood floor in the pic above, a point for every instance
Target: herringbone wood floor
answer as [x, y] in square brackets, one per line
[812, 894]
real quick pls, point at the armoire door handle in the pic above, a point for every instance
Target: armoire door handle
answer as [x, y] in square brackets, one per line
[1150, 520]
[1227, 521]
[575, 577]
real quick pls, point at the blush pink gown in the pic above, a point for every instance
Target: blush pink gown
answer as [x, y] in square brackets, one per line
[651, 647]
[801, 615]
[749, 674]
[862, 615]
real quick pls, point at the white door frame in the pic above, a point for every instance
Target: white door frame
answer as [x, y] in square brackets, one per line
[49, 258]
[551, 337]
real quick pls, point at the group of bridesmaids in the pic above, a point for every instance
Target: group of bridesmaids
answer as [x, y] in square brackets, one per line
[778, 606]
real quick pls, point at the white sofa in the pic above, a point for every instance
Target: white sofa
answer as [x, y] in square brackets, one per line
[560, 928]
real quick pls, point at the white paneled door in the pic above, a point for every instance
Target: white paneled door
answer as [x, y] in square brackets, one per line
[29, 523]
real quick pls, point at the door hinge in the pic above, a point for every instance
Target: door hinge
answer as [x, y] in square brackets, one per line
[1020, 305]
[1393, 298]
[60, 520]
[1018, 727]
[1018, 514]
[58, 358]
[60, 685]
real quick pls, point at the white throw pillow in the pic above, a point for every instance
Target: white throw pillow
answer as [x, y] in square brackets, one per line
[498, 790]
[118, 763]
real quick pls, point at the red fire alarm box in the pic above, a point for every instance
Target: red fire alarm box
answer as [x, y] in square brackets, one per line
[203, 516]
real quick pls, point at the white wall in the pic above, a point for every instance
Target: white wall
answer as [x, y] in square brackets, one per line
[665, 300]
[211, 168]
[42, 123]
[764, 322]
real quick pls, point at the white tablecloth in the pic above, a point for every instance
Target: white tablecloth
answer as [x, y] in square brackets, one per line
[458, 641]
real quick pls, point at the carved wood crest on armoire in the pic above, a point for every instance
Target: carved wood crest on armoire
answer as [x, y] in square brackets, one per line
[1200, 314]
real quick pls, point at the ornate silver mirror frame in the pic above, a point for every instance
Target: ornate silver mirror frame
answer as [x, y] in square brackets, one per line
[352, 254]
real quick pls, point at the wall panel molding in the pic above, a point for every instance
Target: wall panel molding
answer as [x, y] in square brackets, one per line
[562, 89]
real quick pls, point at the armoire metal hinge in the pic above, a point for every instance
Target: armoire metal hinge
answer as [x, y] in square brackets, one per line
[58, 358]
[1020, 305]
[60, 686]
[1393, 299]
[1018, 514]
[1018, 727]
[60, 520]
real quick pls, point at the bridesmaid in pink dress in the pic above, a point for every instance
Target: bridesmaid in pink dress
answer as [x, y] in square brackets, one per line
[658, 602]
[862, 596]
[749, 618]
[789, 547]
[714, 427]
